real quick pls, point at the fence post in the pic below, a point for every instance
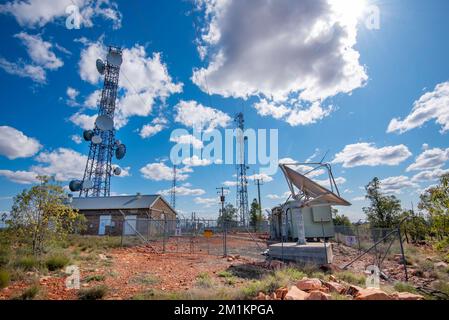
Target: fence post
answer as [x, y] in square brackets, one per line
[358, 237]
[163, 236]
[403, 254]
[324, 240]
[123, 231]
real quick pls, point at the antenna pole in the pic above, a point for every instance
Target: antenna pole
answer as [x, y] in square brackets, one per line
[224, 219]
[173, 189]
[259, 182]
[242, 179]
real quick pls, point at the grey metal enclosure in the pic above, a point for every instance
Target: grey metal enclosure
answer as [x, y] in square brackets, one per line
[317, 222]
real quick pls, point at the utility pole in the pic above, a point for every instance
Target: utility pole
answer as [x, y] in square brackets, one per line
[173, 189]
[259, 182]
[221, 192]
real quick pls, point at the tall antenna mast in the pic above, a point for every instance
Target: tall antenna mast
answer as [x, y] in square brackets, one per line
[173, 189]
[242, 179]
[97, 175]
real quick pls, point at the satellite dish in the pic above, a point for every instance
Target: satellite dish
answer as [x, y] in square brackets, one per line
[88, 184]
[100, 66]
[104, 123]
[75, 185]
[120, 152]
[117, 171]
[115, 58]
[118, 142]
[97, 140]
[88, 134]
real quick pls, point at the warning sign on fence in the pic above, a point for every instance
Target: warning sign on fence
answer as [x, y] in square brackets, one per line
[208, 233]
[351, 241]
[178, 232]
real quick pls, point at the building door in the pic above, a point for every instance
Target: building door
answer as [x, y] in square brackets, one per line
[130, 225]
[104, 222]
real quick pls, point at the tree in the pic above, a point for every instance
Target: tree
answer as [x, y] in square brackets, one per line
[415, 226]
[340, 220]
[229, 215]
[435, 201]
[384, 211]
[255, 215]
[39, 215]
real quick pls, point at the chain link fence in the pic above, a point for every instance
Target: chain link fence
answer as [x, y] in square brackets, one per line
[199, 236]
[381, 247]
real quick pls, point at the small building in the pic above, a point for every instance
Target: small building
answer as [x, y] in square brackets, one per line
[124, 215]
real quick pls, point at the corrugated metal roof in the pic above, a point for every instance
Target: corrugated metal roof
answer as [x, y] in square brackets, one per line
[120, 202]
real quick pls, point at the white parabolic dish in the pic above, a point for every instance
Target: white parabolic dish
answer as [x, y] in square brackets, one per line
[104, 123]
[100, 66]
[114, 58]
[96, 140]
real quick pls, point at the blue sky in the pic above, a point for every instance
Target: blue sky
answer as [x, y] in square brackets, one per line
[388, 116]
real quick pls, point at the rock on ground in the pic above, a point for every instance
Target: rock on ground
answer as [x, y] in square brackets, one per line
[296, 294]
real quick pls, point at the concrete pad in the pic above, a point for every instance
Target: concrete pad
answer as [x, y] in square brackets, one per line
[314, 253]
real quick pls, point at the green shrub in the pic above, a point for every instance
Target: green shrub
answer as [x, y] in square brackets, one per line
[4, 279]
[28, 294]
[404, 287]
[96, 277]
[56, 262]
[294, 274]
[225, 274]
[203, 280]
[351, 278]
[4, 256]
[96, 293]
[27, 263]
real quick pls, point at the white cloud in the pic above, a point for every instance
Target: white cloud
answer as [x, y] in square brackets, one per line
[183, 191]
[144, 80]
[149, 130]
[266, 178]
[21, 177]
[207, 202]
[307, 116]
[83, 121]
[261, 176]
[40, 51]
[188, 139]
[15, 144]
[72, 93]
[89, 55]
[162, 172]
[430, 159]
[291, 54]
[397, 184]
[195, 115]
[230, 183]
[22, 70]
[431, 106]
[359, 199]
[37, 13]
[195, 161]
[284, 196]
[77, 139]
[429, 175]
[92, 101]
[63, 164]
[265, 108]
[367, 154]
[41, 54]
